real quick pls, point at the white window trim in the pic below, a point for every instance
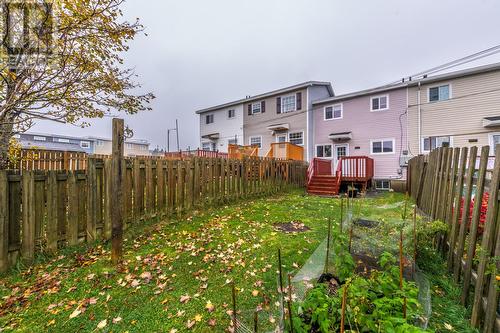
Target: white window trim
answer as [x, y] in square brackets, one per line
[63, 140]
[39, 138]
[283, 103]
[227, 114]
[260, 107]
[490, 140]
[333, 112]
[253, 137]
[382, 140]
[323, 144]
[381, 188]
[303, 137]
[280, 135]
[434, 136]
[436, 86]
[379, 96]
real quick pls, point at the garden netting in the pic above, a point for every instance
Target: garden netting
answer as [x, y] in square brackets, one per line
[373, 232]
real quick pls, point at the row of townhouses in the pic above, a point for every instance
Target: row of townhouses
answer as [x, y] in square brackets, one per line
[389, 124]
[89, 145]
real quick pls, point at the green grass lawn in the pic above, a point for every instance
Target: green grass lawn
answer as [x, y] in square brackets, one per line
[177, 274]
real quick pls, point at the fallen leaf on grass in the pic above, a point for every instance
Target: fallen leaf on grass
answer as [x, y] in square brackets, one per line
[210, 307]
[184, 299]
[190, 324]
[75, 313]
[212, 322]
[255, 293]
[117, 320]
[102, 324]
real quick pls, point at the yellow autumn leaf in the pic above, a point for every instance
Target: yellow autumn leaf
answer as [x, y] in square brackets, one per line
[198, 317]
[102, 324]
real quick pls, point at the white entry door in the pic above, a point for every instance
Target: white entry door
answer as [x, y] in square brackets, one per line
[339, 151]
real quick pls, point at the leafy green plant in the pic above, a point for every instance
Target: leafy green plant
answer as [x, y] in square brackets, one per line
[343, 262]
[374, 304]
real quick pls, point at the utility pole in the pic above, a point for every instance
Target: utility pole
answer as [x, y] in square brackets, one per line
[176, 129]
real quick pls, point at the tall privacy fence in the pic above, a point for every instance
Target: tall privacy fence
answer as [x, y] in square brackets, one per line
[460, 188]
[46, 210]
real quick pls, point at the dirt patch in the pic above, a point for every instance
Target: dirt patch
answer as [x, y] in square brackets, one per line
[366, 223]
[290, 227]
[365, 264]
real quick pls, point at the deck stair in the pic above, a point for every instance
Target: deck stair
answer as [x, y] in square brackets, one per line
[322, 179]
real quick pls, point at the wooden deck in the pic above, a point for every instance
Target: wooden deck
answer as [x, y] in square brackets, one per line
[351, 170]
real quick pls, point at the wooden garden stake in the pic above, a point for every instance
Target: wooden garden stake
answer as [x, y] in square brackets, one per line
[401, 268]
[117, 191]
[344, 301]
[350, 238]
[328, 246]
[341, 212]
[233, 294]
[289, 302]
[281, 281]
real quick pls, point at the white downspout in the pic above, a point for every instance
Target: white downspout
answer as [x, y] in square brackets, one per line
[419, 119]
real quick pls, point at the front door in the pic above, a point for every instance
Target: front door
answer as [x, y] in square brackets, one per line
[339, 151]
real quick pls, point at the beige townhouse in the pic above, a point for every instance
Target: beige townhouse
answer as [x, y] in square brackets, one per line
[456, 109]
[284, 115]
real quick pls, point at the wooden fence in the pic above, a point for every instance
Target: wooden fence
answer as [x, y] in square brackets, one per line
[460, 188]
[39, 159]
[47, 210]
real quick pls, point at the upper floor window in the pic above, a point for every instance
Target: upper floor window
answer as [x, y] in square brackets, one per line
[39, 138]
[325, 151]
[333, 112]
[209, 119]
[63, 140]
[208, 146]
[439, 93]
[380, 103]
[296, 138]
[231, 113]
[382, 146]
[495, 140]
[288, 103]
[433, 142]
[256, 141]
[256, 107]
[85, 144]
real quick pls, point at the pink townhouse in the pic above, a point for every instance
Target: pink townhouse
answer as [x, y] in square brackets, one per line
[370, 123]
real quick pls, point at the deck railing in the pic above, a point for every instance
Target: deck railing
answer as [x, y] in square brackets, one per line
[349, 168]
[286, 151]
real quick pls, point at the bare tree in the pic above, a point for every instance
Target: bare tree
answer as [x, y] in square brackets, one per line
[61, 60]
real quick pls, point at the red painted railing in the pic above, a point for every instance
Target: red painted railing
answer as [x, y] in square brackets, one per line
[349, 168]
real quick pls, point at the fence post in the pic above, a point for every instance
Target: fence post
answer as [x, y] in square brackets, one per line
[117, 191]
[4, 221]
[73, 199]
[52, 209]
[465, 213]
[91, 200]
[476, 215]
[458, 199]
[487, 242]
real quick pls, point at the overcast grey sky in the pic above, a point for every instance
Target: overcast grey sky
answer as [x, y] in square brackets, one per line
[202, 53]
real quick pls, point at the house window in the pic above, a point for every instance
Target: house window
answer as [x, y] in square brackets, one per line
[296, 138]
[256, 107]
[85, 144]
[209, 119]
[333, 112]
[63, 140]
[281, 138]
[440, 93]
[324, 151]
[495, 140]
[380, 103]
[231, 113]
[208, 146]
[39, 138]
[383, 185]
[288, 104]
[232, 141]
[434, 142]
[256, 141]
[384, 146]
